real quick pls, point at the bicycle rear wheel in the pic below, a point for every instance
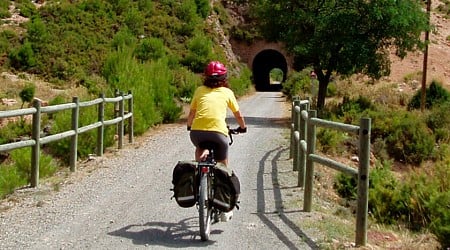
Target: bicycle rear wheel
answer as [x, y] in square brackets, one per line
[204, 208]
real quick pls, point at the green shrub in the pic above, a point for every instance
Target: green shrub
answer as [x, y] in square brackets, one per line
[27, 93]
[406, 136]
[350, 110]
[185, 83]
[150, 49]
[241, 81]
[203, 8]
[297, 84]
[439, 122]
[346, 186]
[14, 130]
[27, 8]
[8, 40]
[23, 57]
[386, 198]
[435, 95]
[17, 173]
[9, 180]
[22, 162]
[330, 141]
[410, 140]
[440, 217]
[419, 201]
[199, 53]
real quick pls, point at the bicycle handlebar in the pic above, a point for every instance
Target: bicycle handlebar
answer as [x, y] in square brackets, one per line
[235, 131]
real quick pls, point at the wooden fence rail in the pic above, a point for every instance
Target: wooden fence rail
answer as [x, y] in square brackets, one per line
[303, 144]
[37, 139]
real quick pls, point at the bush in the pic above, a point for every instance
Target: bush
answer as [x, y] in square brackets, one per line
[439, 122]
[27, 93]
[386, 198]
[241, 81]
[150, 49]
[23, 57]
[185, 83]
[419, 201]
[14, 130]
[9, 180]
[22, 162]
[435, 95]
[199, 53]
[330, 140]
[18, 172]
[406, 136]
[410, 140]
[346, 186]
[297, 84]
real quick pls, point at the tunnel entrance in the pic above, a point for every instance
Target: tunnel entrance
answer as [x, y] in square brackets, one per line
[265, 64]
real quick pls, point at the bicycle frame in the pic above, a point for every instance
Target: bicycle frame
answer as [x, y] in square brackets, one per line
[206, 211]
[205, 208]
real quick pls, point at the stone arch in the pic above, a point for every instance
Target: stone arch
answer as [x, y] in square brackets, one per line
[261, 57]
[263, 63]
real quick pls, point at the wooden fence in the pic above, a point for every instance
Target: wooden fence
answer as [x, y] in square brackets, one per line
[303, 144]
[37, 139]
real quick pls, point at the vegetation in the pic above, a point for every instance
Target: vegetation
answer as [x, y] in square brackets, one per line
[154, 49]
[416, 143]
[345, 37]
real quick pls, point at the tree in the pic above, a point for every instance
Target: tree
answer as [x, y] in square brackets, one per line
[343, 36]
[27, 93]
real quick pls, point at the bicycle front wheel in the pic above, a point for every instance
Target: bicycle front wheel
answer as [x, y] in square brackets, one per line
[204, 208]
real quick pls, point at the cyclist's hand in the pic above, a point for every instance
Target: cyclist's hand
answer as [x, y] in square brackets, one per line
[241, 130]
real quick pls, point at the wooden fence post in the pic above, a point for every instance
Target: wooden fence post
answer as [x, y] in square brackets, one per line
[101, 128]
[35, 150]
[309, 179]
[363, 182]
[131, 119]
[121, 122]
[291, 151]
[74, 139]
[296, 117]
[302, 132]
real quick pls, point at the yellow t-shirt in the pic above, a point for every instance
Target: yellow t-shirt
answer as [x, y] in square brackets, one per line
[211, 108]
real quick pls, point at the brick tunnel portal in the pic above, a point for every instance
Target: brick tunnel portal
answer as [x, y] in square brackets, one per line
[263, 63]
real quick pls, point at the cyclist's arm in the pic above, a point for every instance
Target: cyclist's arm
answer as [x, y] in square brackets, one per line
[240, 119]
[190, 117]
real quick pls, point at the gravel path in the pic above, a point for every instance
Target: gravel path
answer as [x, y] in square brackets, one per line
[122, 200]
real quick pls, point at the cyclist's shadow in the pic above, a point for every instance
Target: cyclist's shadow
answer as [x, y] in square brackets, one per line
[182, 234]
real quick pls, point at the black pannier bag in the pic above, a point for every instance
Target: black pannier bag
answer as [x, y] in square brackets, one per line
[226, 188]
[185, 185]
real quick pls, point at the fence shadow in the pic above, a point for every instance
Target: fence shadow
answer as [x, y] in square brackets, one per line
[261, 203]
[172, 235]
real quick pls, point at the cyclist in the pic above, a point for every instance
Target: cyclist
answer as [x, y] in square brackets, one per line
[206, 119]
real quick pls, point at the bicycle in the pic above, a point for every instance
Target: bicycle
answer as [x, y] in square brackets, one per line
[206, 210]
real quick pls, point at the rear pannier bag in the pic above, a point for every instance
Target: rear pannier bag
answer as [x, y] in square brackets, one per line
[226, 188]
[184, 182]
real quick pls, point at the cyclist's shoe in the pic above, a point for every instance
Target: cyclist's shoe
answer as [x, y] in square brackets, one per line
[216, 216]
[226, 216]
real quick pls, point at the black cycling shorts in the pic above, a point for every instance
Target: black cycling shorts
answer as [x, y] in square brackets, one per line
[203, 139]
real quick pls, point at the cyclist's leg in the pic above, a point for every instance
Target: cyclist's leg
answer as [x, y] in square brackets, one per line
[201, 154]
[218, 139]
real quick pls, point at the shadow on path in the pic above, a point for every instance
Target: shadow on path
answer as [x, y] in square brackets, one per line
[172, 235]
[261, 209]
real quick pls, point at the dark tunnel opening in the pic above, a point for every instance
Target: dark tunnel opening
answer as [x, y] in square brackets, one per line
[263, 63]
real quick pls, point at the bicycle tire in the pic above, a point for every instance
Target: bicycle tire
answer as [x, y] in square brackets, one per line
[204, 209]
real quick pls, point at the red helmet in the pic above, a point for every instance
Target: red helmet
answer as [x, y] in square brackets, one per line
[216, 70]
